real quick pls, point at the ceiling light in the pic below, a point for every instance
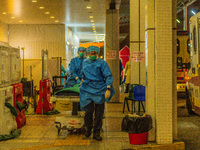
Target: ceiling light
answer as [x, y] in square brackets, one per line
[193, 12]
[56, 21]
[47, 13]
[91, 20]
[178, 21]
[34, 1]
[20, 21]
[41, 7]
[68, 43]
[12, 17]
[91, 17]
[93, 24]
[4, 13]
[88, 7]
[52, 17]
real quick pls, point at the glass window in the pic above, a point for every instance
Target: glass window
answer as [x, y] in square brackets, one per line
[178, 46]
[188, 46]
[194, 39]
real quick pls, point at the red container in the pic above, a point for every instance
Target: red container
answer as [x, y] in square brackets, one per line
[44, 104]
[138, 139]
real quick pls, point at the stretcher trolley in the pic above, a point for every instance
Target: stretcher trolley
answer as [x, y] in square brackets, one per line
[74, 122]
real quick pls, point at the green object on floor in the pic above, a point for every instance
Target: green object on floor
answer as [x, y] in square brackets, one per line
[20, 106]
[12, 109]
[75, 88]
[12, 135]
[53, 112]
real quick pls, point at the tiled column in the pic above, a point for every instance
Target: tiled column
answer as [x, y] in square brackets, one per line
[163, 71]
[137, 39]
[174, 69]
[150, 63]
[112, 45]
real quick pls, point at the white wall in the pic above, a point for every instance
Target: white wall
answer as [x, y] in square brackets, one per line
[3, 33]
[37, 37]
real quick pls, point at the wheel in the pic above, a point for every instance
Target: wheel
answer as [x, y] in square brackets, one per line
[188, 103]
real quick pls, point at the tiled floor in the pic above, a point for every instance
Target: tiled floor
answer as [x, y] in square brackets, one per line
[40, 133]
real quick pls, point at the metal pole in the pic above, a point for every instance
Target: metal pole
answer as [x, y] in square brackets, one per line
[185, 17]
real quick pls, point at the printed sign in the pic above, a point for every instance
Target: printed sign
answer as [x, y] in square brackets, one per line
[137, 56]
[111, 54]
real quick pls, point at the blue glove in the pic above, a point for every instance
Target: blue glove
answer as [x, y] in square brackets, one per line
[78, 81]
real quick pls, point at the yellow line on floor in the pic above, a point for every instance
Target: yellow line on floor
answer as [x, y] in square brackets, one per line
[70, 140]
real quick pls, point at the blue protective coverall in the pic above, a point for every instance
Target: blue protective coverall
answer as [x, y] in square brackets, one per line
[96, 77]
[75, 71]
[63, 73]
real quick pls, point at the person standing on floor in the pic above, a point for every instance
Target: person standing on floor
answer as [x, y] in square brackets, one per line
[76, 68]
[127, 75]
[95, 90]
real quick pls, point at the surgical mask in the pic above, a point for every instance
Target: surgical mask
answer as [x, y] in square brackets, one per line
[93, 57]
[81, 55]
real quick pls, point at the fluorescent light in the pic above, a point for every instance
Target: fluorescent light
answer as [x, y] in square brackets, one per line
[41, 7]
[178, 21]
[56, 21]
[20, 21]
[93, 24]
[52, 17]
[91, 17]
[88, 7]
[91, 20]
[12, 17]
[4, 13]
[34, 1]
[193, 12]
[68, 43]
[47, 13]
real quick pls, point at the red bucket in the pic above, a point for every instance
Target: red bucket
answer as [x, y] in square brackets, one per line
[138, 139]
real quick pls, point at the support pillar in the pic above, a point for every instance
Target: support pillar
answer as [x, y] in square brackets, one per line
[184, 17]
[161, 69]
[174, 68]
[137, 40]
[112, 48]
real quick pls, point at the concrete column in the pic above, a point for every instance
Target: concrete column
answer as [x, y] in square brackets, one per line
[174, 68]
[137, 40]
[163, 71]
[150, 63]
[112, 48]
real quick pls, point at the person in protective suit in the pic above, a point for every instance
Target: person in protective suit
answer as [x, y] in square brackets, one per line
[75, 69]
[95, 90]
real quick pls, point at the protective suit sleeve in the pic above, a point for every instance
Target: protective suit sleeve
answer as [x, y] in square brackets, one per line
[105, 69]
[63, 69]
[73, 68]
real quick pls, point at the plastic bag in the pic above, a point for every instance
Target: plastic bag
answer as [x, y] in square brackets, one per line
[136, 124]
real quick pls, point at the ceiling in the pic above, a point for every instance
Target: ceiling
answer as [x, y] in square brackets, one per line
[73, 13]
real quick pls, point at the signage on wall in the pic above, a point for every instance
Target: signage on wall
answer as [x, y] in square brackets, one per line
[111, 54]
[137, 56]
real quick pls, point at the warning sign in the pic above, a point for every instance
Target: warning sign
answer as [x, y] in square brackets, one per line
[137, 56]
[111, 54]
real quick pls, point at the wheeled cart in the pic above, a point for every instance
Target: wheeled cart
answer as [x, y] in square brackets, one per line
[73, 123]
